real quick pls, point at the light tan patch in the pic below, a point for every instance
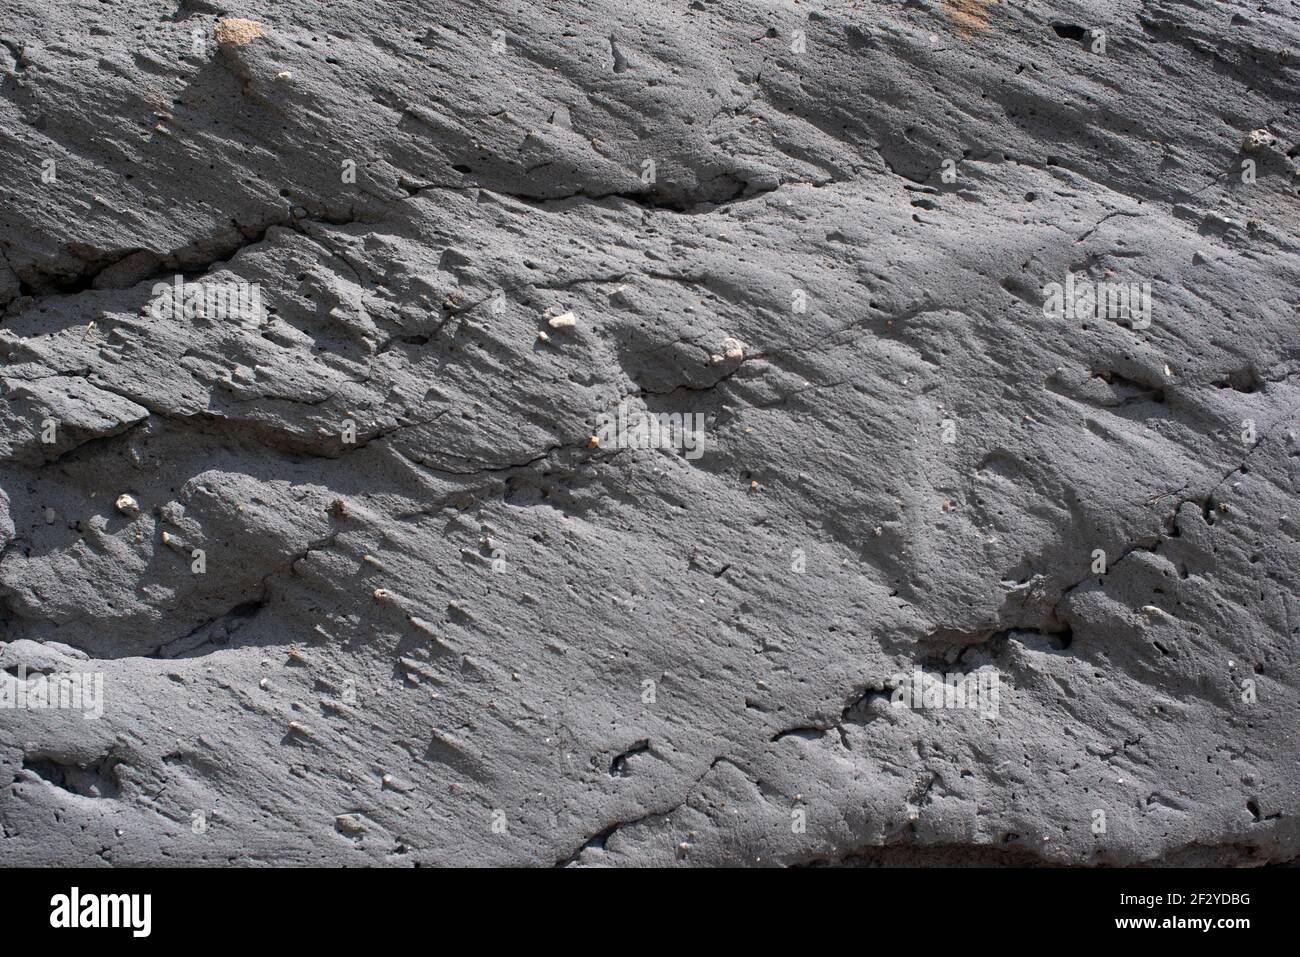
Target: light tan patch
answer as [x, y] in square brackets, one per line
[969, 15]
[237, 32]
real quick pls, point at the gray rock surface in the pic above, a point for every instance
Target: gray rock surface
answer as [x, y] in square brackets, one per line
[378, 596]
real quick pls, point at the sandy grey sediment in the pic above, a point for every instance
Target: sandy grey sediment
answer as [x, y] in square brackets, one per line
[466, 633]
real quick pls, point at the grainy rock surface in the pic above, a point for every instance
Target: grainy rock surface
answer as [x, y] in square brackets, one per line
[365, 576]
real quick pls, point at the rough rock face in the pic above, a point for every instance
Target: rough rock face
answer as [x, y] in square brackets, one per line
[379, 561]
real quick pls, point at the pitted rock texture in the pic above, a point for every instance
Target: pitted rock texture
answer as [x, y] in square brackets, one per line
[379, 594]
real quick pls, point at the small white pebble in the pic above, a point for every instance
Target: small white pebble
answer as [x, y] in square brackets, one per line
[127, 505]
[565, 320]
[1257, 139]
